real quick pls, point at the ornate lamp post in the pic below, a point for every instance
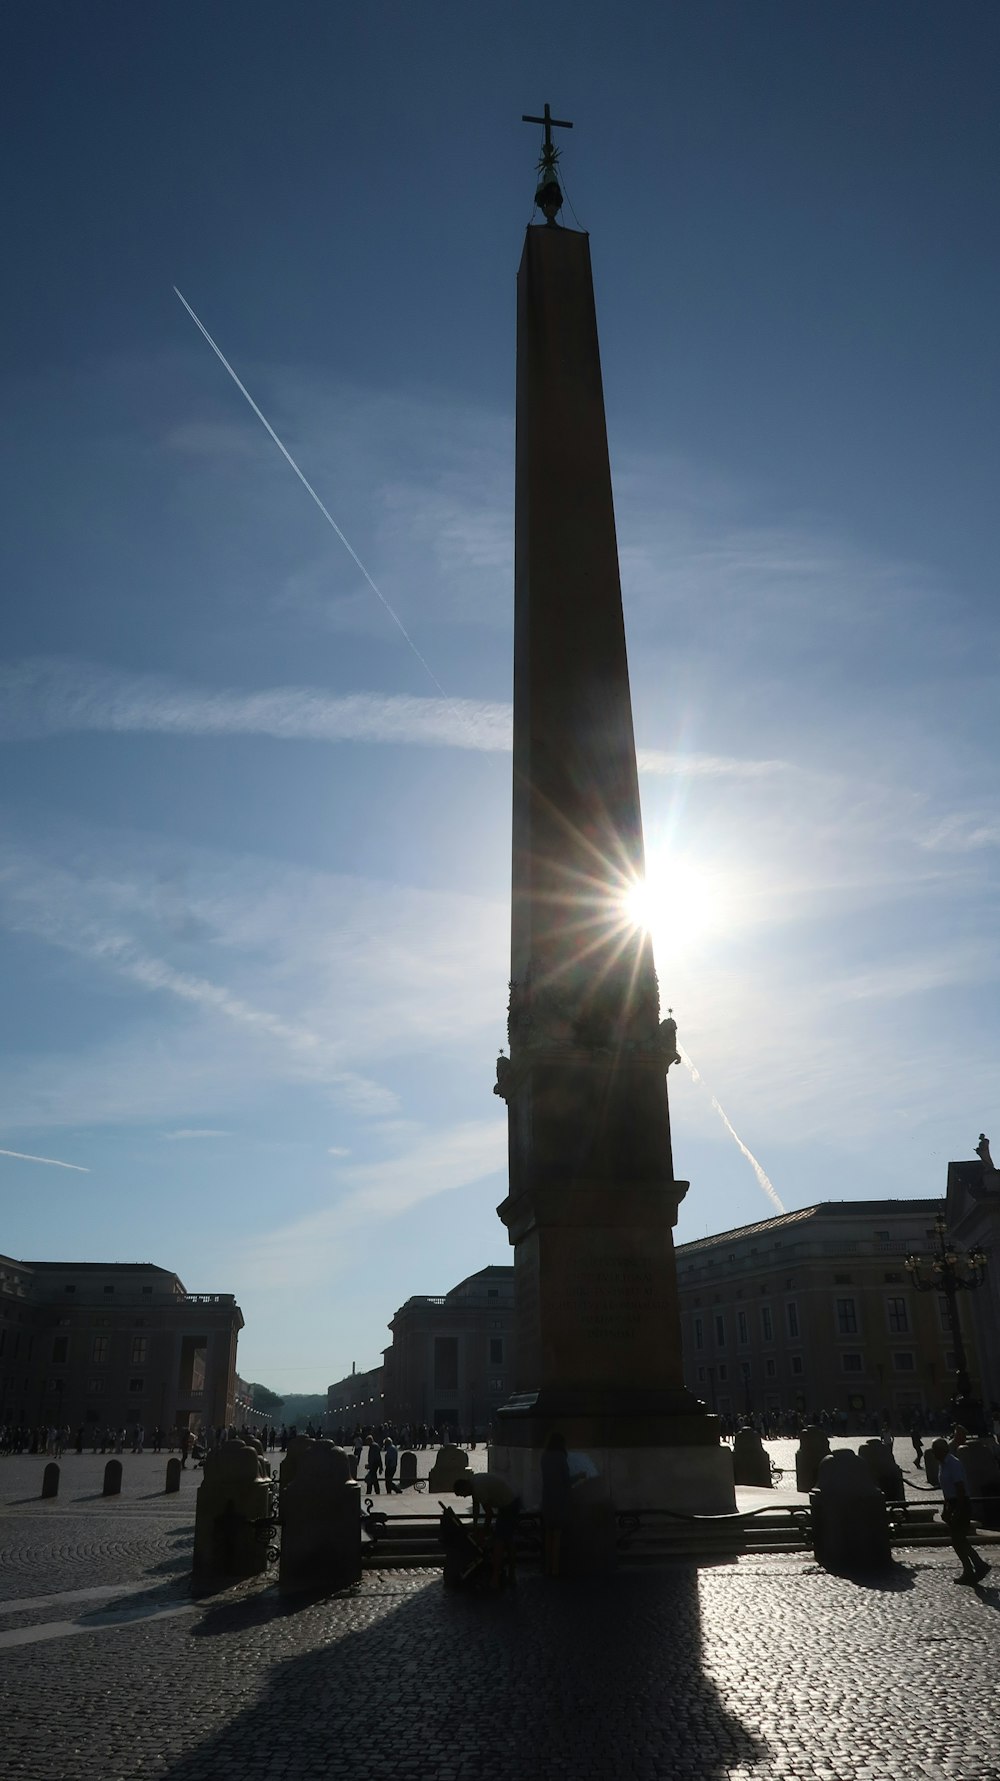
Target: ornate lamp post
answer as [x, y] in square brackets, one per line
[950, 1273]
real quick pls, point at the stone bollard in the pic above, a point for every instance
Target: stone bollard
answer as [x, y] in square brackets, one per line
[407, 1470]
[320, 1524]
[982, 1471]
[298, 1447]
[751, 1464]
[113, 1478]
[883, 1468]
[850, 1528]
[231, 1499]
[814, 1445]
[50, 1480]
[449, 1463]
[173, 1476]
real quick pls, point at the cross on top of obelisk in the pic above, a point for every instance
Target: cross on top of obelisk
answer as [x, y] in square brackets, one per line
[549, 194]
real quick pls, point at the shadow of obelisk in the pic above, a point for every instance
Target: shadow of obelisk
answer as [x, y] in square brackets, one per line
[592, 1198]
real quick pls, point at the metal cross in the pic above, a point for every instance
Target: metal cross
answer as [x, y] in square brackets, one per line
[551, 123]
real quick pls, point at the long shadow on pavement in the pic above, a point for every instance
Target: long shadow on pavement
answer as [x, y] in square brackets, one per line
[588, 1678]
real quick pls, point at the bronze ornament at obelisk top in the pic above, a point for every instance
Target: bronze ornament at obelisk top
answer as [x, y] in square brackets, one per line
[592, 1197]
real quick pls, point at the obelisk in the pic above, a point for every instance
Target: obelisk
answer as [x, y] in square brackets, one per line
[592, 1197]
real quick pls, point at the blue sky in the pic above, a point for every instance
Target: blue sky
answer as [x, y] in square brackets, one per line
[253, 868]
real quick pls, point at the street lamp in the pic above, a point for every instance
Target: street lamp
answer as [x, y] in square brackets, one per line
[950, 1273]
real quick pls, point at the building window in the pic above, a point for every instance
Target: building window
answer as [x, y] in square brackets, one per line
[496, 1385]
[720, 1331]
[770, 1366]
[847, 1317]
[852, 1363]
[95, 1388]
[699, 1333]
[893, 1279]
[99, 1352]
[741, 1324]
[496, 1351]
[723, 1372]
[895, 1310]
[109, 1289]
[766, 1323]
[147, 1289]
[101, 1323]
[842, 1280]
[903, 1362]
[944, 1311]
[701, 1375]
[796, 1363]
[446, 1363]
[492, 1292]
[137, 1358]
[69, 1289]
[883, 1237]
[949, 1360]
[136, 1386]
[60, 1349]
[792, 1320]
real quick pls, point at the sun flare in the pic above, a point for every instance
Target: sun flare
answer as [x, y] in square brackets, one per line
[679, 903]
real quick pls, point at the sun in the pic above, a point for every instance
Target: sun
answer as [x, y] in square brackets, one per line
[680, 903]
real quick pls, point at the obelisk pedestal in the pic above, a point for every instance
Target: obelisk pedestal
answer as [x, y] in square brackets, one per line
[592, 1198]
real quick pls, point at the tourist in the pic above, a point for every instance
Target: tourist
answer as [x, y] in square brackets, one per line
[956, 1512]
[390, 1458]
[557, 1498]
[373, 1465]
[918, 1444]
[501, 1508]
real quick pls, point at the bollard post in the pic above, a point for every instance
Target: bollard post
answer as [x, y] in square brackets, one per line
[113, 1478]
[50, 1480]
[173, 1476]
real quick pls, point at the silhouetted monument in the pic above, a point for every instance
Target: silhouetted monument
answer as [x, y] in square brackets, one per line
[592, 1198]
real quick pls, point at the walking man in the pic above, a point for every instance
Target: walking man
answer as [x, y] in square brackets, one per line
[957, 1513]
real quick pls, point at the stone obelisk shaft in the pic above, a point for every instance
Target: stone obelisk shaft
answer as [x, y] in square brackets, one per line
[592, 1193]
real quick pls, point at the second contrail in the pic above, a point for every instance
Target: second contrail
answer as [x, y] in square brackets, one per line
[307, 485]
[762, 1176]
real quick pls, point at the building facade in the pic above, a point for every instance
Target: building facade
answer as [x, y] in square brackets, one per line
[357, 1398]
[815, 1310]
[114, 1344]
[449, 1362]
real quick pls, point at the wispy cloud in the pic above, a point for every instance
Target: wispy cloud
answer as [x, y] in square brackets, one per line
[50, 697]
[310, 1248]
[187, 1132]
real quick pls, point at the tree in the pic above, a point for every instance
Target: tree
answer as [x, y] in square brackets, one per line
[263, 1399]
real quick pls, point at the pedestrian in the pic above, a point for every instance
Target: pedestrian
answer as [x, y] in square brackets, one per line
[185, 1447]
[390, 1457]
[918, 1444]
[500, 1508]
[373, 1466]
[557, 1498]
[956, 1513]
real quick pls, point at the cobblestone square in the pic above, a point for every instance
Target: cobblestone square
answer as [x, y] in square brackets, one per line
[763, 1667]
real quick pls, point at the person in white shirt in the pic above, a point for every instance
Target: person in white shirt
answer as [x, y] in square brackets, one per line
[957, 1513]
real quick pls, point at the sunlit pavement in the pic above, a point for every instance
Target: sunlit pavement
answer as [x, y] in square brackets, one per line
[765, 1666]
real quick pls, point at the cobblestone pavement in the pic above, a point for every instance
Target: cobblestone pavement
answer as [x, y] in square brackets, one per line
[763, 1667]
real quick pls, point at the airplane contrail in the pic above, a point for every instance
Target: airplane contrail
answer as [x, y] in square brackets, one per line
[763, 1178]
[307, 485]
[22, 1156]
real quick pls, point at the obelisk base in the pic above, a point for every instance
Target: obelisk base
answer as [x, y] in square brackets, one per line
[695, 1479]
